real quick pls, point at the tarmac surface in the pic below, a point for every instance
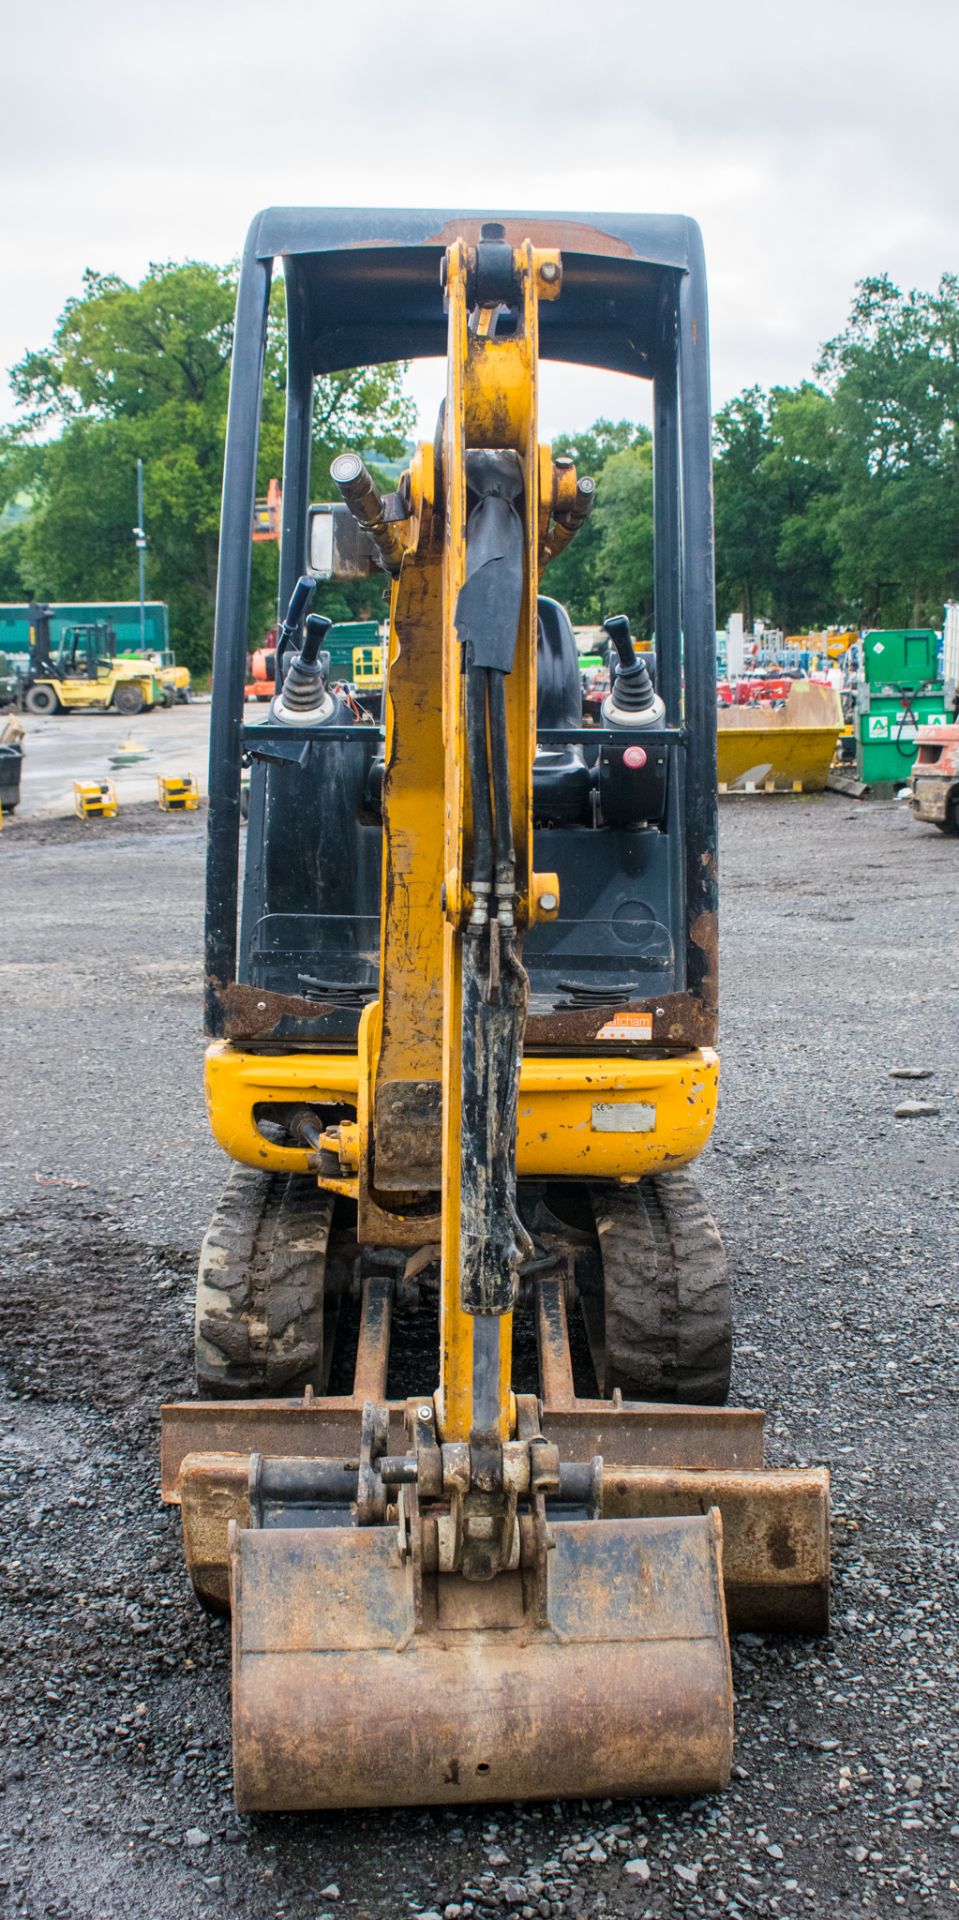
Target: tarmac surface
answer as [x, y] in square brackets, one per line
[63, 747]
[839, 962]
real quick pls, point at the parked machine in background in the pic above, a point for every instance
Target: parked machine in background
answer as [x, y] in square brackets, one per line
[900, 690]
[463, 1010]
[83, 671]
[174, 681]
[142, 633]
[934, 779]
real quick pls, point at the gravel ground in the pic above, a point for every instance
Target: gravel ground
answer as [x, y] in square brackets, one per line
[840, 963]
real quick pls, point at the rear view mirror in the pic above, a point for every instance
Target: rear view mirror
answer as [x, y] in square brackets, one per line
[338, 547]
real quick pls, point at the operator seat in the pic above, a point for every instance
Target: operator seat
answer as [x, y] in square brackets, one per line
[561, 778]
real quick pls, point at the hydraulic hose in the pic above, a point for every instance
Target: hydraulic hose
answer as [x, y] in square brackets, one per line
[477, 754]
[505, 851]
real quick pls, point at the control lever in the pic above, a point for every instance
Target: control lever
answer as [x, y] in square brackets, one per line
[632, 700]
[304, 695]
[299, 601]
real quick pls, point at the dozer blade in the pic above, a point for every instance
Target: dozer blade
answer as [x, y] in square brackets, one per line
[348, 1691]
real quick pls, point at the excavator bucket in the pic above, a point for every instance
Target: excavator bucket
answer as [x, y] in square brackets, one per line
[363, 1675]
[347, 1694]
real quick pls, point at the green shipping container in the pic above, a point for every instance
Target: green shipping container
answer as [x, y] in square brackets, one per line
[123, 615]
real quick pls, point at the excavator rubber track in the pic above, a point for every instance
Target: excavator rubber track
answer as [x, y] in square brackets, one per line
[667, 1319]
[262, 1309]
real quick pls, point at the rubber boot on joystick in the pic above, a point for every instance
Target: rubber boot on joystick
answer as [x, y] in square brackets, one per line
[632, 700]
[304, 698]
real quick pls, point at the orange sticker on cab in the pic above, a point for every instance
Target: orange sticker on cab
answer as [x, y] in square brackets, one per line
[627, 1026]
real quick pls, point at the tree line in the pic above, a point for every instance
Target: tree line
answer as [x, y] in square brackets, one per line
[837, 501]
[143, 372]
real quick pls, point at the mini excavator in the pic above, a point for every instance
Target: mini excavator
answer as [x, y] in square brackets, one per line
[461, 1469]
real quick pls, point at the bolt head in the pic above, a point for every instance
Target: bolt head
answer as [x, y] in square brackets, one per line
[550, 270]
[424, 1412]
[548, 902]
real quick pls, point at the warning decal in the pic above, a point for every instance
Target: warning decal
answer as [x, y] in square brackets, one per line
[627, 1026]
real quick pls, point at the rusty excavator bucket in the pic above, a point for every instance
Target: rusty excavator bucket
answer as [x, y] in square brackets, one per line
[356, 1683]
[479, 1593]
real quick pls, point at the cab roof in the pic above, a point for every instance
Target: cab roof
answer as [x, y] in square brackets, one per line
[370, 279]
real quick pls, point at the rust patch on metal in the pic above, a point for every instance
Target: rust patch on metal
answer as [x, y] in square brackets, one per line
[408, 1134]
[253, 1013]
[704, 933]
[679, 1020]
[782, 1552]
[571, 235]
[552, 1334]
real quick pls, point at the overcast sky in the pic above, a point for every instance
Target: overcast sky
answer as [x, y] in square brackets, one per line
[814, 142]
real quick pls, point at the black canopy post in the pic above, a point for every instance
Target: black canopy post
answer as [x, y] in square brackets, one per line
[298, 442]
[230, 630]
[667, 583]
[699, 631]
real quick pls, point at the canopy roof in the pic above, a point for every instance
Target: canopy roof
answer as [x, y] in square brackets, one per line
[370, 279]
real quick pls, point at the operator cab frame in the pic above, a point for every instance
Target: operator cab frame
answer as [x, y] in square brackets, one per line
[363, 287]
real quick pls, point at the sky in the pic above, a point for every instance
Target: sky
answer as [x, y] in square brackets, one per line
[814, 143]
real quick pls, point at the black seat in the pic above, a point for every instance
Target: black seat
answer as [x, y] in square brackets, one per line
[561, 778]
[559, 697]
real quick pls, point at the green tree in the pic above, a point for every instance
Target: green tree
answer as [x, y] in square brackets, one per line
[13, 584]
[624, 521]
[800, 472]
[745, 536]
[893, 372]
[576, 575]
[143, 372]
[776, 495]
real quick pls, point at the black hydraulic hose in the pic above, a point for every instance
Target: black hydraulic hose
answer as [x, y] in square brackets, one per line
[478, 758]
[505, 852]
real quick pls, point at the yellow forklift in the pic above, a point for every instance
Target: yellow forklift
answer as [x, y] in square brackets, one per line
[460, 1467]
[83, 671]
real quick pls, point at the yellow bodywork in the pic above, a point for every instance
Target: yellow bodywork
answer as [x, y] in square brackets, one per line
[178, 793]
[176, 677]
[94, 799]
[561, 1135]
[79, 692]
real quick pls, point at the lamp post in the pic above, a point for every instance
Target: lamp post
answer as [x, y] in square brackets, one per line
[140, 538]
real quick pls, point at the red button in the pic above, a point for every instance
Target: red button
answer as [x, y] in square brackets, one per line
[634, 757]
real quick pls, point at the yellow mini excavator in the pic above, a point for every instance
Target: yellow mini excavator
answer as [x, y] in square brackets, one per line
[460, 1467]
